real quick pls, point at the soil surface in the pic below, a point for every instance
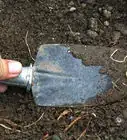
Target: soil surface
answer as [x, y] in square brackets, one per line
[99, 27]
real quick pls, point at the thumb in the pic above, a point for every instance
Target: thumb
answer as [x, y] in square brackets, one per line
[9, 69]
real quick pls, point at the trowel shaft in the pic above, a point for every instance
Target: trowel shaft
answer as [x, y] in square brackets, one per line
[23, 80]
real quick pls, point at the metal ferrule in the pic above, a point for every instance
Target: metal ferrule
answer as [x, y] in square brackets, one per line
[23, 80]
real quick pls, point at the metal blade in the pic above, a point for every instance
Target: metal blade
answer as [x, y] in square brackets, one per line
[62, 80]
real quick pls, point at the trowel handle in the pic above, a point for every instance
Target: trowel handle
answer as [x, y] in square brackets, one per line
[23, 80]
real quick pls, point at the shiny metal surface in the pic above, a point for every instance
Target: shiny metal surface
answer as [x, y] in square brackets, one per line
[60, 79]
[23, 80]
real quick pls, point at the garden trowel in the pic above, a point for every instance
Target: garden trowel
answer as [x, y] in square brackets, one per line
[57, 78]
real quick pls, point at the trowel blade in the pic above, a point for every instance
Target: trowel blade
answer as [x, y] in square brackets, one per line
[62, 80]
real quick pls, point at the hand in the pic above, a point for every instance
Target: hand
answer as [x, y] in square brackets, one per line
[8, 69]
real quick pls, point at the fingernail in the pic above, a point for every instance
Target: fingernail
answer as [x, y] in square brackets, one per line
[14, 67]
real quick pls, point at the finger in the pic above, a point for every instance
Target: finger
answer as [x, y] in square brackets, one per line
[9, 69]
[3, 88]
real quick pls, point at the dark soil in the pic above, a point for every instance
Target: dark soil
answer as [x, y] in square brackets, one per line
[52, 21]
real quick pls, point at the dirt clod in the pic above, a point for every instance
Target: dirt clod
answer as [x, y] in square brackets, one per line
[106, 23]
[93, 24]
[92, 34]
[83, 5]
[72, 9]
[71, 3]
[122, 28]
[116, 35]
[106, 13]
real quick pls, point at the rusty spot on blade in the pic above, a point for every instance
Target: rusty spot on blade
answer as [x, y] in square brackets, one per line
[50, 67]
